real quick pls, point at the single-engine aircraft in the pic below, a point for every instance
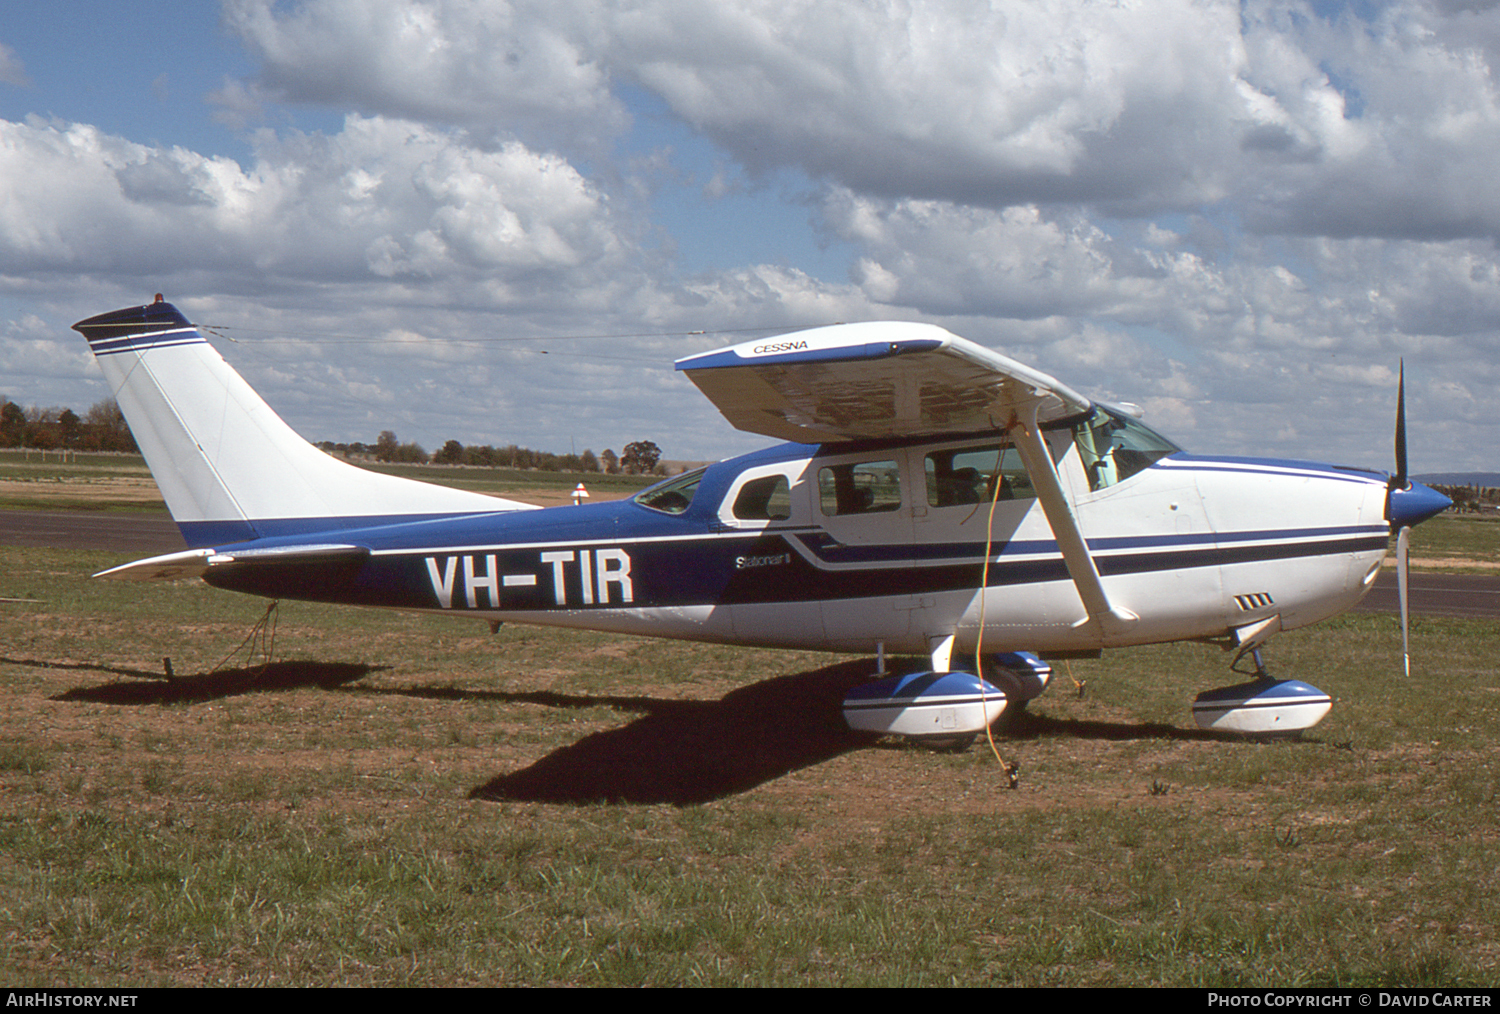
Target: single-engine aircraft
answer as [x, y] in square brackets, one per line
[932, 498]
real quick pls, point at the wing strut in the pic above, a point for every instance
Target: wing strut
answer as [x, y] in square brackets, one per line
[1075, 551]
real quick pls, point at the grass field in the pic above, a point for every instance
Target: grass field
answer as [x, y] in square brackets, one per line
[410, 800]
[1459, 542]
[34, 480]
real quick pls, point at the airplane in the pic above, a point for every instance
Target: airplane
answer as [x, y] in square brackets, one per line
[930, 497]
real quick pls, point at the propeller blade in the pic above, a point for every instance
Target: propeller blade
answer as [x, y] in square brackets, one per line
[1398, 481]
[1403, 541]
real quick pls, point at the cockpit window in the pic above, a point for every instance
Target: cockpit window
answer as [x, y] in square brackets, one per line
[969, 475]
[673, 496]
[1115, 446]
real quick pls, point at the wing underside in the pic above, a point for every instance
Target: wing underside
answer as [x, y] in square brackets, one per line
[874, 381]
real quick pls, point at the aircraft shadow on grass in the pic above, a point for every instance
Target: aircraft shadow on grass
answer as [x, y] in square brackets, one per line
[681, 752]
[689, 752]
[153, 688]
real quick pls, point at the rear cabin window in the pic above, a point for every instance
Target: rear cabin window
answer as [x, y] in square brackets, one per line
[865, 487]
[768, 498]
[970, 475]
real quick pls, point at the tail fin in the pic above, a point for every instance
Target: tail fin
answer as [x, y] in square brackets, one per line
[228, 466]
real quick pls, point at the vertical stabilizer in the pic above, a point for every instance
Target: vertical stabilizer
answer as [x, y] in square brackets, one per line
[228, 466]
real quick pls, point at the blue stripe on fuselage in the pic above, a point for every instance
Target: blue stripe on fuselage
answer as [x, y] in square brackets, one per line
[1182, 461]
[620, 553]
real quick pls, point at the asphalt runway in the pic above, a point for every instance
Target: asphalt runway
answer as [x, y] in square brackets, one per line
[1432, 594]
[147, 534]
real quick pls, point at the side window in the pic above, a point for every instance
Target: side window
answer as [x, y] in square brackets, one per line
[768, 498]
[865, 487]
[970, 475]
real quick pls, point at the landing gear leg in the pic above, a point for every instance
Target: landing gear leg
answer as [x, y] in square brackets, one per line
[1261, 672]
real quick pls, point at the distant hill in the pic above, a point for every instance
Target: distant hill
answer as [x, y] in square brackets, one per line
[1481, 479]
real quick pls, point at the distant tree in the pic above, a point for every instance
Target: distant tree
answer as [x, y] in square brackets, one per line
[71, 427]
[12, 424]
[609, 461]
[640, 457]
[411, 453]
[105, 429]
[386, 446]
[451, 453]
[587, 462]
[43, 434]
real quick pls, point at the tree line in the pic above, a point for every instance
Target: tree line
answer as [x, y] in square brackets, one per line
[101, 428]
[642, 457]
[1469, 499]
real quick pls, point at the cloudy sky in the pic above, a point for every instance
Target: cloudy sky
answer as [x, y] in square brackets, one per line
[500, 220]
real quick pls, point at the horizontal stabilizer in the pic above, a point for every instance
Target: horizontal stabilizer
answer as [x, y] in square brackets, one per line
[197, 562]
[171, 567]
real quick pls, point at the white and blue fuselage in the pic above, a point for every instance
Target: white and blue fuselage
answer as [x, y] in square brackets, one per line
[1187, 544]
[937, 490]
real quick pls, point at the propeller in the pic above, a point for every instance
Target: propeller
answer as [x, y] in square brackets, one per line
[1398, 481]
[1401, 543]
[1407, 504]
[1397, 484]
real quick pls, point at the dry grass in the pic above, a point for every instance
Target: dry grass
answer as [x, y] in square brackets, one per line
[408, 800]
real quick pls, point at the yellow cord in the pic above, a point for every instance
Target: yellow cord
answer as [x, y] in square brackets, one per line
[984, 584]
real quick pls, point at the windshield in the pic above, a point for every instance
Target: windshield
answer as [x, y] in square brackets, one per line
[1115, 446]
[673, 496]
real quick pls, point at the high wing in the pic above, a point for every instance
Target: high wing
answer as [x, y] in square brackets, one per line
[900, 379]
[872, 381]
